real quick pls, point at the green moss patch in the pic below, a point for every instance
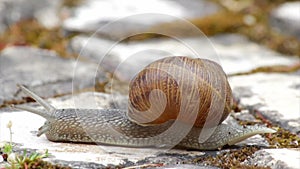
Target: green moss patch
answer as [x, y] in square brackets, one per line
[39, 164]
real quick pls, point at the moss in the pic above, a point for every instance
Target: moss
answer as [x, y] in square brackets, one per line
[41, 164]
[230, 159]
[283, 139]
[31, 33]
[71, 3]
[271, 69]
[143, 36]
[219, 23]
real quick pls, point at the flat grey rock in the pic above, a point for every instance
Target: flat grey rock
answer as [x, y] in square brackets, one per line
[44, 72]
[276, 158]
[46, 12]
[286, 18]
[274, 95]
[233, 52]
[131, 17]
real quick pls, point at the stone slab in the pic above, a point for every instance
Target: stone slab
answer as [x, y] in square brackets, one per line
[129, 16]
[44, 72]
[276, 158]
[275, 95]
[286, 18]
[233, 52]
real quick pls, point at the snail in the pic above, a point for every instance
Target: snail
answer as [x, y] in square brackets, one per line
[191, 96]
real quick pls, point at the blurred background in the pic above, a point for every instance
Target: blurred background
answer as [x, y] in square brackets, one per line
[51, 24]
[114, 39]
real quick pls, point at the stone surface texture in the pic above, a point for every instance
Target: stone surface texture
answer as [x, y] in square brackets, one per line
[276, 158]
[44, 71]
[274, 95]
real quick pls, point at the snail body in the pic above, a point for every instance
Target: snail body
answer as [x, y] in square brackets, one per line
[127, 128]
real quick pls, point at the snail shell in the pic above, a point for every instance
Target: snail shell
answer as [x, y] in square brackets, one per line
[156, 93]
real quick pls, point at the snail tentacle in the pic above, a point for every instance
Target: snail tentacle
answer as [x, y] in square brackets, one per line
[35, 111]
[43, 129]
[37, 98]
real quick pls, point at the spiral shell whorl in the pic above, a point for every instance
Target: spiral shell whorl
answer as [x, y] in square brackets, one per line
[180, 78]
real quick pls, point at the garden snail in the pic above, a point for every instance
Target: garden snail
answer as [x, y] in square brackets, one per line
[182, 80]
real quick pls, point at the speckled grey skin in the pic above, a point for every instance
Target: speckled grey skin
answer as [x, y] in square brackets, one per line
[112, 127]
